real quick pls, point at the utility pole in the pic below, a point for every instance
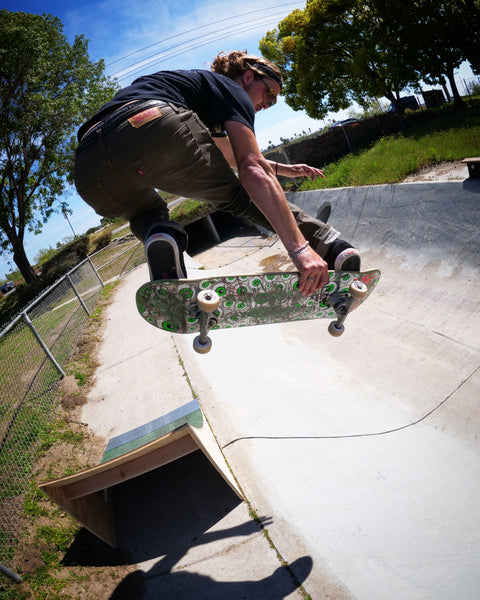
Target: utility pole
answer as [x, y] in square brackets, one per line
[66, 216]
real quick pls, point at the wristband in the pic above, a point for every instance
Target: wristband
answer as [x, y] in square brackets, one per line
[293, 255]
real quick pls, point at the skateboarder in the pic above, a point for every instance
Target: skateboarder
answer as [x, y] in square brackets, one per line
[186, 132]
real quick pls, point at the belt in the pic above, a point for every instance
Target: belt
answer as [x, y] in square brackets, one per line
[119, 115]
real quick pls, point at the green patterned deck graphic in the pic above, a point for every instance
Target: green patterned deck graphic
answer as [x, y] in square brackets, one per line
[245, 300]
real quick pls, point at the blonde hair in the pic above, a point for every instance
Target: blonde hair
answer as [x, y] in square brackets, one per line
[235, 63]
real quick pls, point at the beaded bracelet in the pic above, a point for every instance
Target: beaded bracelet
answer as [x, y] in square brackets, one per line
[293, 255]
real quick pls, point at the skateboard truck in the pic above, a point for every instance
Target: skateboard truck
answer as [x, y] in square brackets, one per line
[207, 303]
[356, 291]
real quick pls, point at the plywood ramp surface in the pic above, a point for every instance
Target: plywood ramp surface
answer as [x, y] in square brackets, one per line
[85, 495]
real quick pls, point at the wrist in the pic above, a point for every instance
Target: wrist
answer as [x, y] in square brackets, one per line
[299, 250]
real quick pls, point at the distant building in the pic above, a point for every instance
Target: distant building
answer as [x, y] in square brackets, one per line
[433, 98]
[409, 102]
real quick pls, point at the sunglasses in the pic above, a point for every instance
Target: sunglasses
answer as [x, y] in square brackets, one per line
[271, 97]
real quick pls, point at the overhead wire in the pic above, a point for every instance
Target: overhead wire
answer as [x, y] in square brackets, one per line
[172, 52]
[199, 27]
[193, 43]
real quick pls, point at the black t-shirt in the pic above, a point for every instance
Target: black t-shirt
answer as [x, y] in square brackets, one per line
[213, 97]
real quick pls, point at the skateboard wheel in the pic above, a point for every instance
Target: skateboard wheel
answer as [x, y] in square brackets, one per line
[335, 330]
[200, 347]
[357, 289]
[208, 300]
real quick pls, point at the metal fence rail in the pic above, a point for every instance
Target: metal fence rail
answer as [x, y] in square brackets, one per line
[34, 350]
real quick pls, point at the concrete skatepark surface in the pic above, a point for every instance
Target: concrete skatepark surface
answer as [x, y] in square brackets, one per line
[361, 453]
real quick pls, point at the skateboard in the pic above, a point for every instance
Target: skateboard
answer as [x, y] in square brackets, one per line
[201, 305]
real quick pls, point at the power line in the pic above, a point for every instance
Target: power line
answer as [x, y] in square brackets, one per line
[185, 47]
[200, 27]
[189, 46]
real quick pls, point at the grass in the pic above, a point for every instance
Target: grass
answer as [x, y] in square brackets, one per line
[188, 210]
[48, 530]
[391, 159]
[26, 411]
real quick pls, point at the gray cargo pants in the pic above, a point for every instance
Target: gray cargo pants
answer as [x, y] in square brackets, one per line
[147, 146]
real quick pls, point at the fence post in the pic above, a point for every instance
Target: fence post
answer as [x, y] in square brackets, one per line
[10, 573]
[68, 278]
[95, 271]
[42, 344]
[287, 160]
[347, 138]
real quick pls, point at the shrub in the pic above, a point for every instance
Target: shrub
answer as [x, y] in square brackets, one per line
[102, 241]
[65, 259]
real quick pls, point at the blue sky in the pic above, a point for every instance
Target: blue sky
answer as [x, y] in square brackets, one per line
[135, 38]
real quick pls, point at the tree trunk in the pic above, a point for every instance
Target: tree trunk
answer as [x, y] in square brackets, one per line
[23, 264]
[457, 99]
[445, 89]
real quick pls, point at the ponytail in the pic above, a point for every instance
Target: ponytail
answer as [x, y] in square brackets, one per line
[236, 63]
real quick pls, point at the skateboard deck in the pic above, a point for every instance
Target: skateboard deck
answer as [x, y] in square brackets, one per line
[246, 300]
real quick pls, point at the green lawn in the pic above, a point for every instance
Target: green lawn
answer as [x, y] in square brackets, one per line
[391, 159]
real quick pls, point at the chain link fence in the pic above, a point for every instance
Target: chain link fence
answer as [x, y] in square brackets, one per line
[34, 349]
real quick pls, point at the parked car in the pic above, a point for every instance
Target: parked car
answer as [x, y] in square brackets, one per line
[6, 287]
[343, 123]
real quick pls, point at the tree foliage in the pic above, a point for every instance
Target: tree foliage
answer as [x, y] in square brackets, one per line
[337, 51]
[48, 87]
[447, 34]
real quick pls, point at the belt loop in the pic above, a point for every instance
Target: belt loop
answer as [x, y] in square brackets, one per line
[100, 142]
[172, 106]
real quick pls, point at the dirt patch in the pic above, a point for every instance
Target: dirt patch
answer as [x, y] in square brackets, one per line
[443, 171]
[76, 449]
[30, 560]
[72, 397]
[277, 262]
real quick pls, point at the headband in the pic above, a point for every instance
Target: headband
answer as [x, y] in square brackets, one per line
[269, 72]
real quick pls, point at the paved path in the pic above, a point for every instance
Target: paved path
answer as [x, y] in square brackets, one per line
[363, 451]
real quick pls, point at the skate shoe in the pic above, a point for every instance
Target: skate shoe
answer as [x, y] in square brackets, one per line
[324, 211]
[164, 249]
[342, 256]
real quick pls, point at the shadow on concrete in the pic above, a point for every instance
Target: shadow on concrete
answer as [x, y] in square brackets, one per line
[472, 184]
[166, 513]
[192, 586]
[227, 226]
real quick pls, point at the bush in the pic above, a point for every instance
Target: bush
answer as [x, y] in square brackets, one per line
[102, 241]
[475, 88]
[65, 259]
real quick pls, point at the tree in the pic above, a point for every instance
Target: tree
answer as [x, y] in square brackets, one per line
[337, 51]
[47, 89]
[447, 33]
